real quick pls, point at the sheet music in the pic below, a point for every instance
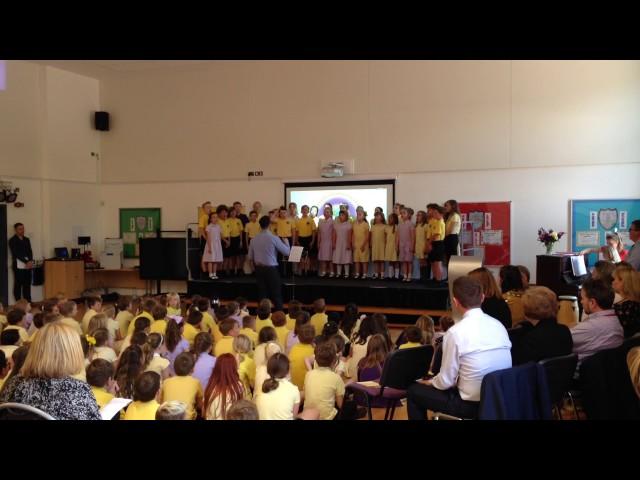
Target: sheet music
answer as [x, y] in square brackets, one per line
[21, 265]
[295, 255]
[113, 407]
[578, 266]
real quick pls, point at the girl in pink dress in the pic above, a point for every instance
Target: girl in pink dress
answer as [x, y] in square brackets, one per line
[342, 254]
[325, 243]
[213, 250]
[406, 243]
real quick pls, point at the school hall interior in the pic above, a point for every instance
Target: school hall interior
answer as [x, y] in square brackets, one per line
[556, 141]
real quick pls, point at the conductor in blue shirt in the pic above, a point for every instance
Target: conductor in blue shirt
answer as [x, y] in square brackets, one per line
[263, 252]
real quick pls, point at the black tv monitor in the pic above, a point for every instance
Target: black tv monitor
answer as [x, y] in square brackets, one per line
[163, 259]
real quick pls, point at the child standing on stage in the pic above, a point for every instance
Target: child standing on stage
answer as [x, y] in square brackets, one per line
[285, 232]
[391, 246]
[203, 221]
[213, 248]
[225, 236]
[251, 229]
[378, 231]
[422, 230]
[235, 236]
[305, 236]
[361, 241]
[342, 242]
[376, 211]
[325, 242]
[406, 243]
[436, 239]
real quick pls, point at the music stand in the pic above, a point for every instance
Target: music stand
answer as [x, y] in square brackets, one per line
[295, 255]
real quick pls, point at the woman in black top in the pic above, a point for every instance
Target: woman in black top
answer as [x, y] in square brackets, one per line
[540, 336]
[45, 380]
[493, 305]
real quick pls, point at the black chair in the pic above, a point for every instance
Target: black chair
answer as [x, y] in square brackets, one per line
[560, 372]
[20, 411]
[605, 384]
[401, 369]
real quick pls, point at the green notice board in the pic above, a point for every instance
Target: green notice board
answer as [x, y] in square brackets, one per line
[137, 223]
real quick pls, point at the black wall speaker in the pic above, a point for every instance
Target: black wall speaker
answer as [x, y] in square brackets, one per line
[102, 121]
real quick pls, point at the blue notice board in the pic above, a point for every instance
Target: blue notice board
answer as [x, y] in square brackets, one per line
[591, 220]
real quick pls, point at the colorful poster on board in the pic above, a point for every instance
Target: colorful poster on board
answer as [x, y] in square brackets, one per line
[491, 222]
[591, 220]
[137, 223]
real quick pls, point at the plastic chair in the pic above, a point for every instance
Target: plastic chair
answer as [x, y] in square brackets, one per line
[560, 372]
[20, 411]
[401, 369]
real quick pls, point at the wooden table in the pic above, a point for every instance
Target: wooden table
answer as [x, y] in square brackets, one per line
[115, 278]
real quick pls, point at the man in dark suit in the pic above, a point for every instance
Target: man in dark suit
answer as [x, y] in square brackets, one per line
[539, 336]
[22, 263]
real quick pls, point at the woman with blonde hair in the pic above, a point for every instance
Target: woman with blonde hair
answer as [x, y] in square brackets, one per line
[45, 380]
[493, 304]
[626, 283]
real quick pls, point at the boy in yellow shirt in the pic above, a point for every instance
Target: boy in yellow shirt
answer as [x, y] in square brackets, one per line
[209, 325]
[295, 306]
[225, 236]
[192, 325]
[94, 306]
[246, 365]
[147, 307]
[145, 391]
[184, 387]
[229, 329]
[285, 226]
[414, 337]
[319, 317]
[249, 329]
[159, 324]
[299, 353]
[323, 388]
[264, 315]
[305, 236]
[100, 378]
[280, 326]
[16, 319]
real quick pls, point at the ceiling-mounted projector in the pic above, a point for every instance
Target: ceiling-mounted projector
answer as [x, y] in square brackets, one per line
[332, 170]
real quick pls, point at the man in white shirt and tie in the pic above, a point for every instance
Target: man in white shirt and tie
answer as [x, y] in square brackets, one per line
[475, 346]
[633, 258]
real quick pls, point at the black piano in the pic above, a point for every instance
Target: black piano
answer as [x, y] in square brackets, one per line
[556, 273]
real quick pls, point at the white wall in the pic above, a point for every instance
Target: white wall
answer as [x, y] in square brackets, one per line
[219, 120]
[46, 140]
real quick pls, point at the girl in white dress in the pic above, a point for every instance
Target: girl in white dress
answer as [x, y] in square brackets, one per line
[213, 250]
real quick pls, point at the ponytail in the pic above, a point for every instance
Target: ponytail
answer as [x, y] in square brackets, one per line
[269, 384]
[154, 341]
[277, 368]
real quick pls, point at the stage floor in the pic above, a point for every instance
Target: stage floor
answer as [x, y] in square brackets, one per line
[375, 293]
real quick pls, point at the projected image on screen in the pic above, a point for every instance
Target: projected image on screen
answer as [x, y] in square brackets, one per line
[367, 195]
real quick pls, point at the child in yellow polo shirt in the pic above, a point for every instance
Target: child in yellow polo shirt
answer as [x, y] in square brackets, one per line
[173, 304]
[145, 391]
[264, 315]
[159, 325]
[229, 329]
[16, 319]
[305, 236]
[361, 242]
[209, 325]
[100, 378]
[246, 366]
[323, 388]
[192, 325]
[414, 337]
[249, 329]
[299, 353]
[94, 306]
[280, 326]
[319, 317]
[147, 307]
[184, 387]
[295, 306]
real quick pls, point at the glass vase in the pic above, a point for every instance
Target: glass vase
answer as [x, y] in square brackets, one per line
[549, 247]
